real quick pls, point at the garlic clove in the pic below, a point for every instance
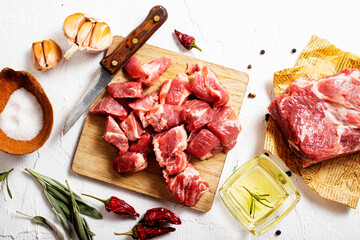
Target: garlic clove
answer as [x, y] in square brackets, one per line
[87, 39]
[52, 53]
[37, 56]
[72, 25]
[45, 55]
[101, 37]
[84, 33]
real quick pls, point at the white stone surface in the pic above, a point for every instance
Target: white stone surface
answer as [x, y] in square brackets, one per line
[231, 33]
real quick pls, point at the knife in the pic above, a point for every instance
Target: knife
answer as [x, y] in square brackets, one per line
[111, 64]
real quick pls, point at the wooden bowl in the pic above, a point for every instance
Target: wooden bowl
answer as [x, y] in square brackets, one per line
[10, 81]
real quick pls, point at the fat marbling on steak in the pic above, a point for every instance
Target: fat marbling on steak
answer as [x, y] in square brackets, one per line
[320, 119]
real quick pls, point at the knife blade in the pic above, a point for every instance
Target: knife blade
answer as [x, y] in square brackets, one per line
[112, 63]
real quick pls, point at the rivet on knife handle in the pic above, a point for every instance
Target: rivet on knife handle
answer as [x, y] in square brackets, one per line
[135, 40]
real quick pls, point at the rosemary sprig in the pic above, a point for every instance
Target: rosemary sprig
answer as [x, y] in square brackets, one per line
[259, 198]
[4, 176]
[80, 224]
[43, 221]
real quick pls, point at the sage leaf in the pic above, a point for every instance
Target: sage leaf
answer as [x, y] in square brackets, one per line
[45, 222]
[80, 224]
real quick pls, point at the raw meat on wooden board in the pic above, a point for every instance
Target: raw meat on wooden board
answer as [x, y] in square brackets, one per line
[198, 114]
[114, 135]
[93, 157]
[143, 145]
[187, 186]
[125, 89]
[109, 106]
[226, 126]
[320, 119]
[132, 127]
[165, 116]
[175, 91]
[169, 147]
[204, 145]
[130, 162]
[206, 87]
[148, 73]
[142, 105]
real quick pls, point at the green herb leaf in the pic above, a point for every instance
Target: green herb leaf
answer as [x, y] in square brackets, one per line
[59, 213]
[62, 193]
[43, 221]
[80, 224]
[259, 198]
[4, 176]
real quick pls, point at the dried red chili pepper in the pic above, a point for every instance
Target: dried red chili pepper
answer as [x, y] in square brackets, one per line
[142, 232]
[116, 205]
[187, 41]
[160, 215]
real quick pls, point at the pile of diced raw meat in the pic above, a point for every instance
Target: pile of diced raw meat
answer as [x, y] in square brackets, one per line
[320, 119]
[167, 123]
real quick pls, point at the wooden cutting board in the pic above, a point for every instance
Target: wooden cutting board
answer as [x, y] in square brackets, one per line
[94, 156]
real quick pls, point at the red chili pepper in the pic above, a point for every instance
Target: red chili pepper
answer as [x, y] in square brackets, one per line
[142, 232]
[155, 216]
[116, 205]
[187, 41]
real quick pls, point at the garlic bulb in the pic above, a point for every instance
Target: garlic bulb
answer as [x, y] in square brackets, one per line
[86, 33]
[45, 55]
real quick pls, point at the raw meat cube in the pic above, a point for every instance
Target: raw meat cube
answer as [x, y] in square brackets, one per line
[204, 145]
[175, 91]
[206, 87]
[143, 145]
[320, 119]
[110, 106]
[187, 186]
[229, 147]
[130, 162]
[190, 68]
[198, 114]
[169, 147]
[132, 127]
[225, 126]
[177, 163]
[149, 72]
[134, 68]
[165, 116]
[114, 135]
[142, 105]
[125, 89]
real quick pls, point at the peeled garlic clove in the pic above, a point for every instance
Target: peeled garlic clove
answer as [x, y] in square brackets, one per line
[101, 37]
[72, 25]
[52, 53]
[37, 56]
[45, 55]
[86, 33]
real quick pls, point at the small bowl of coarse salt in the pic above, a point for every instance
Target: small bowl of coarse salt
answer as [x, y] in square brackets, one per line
[26, 114]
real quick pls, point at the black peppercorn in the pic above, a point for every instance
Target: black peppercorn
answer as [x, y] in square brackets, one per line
[262, 52]
[288, 173]
[267, 117]
[249, 66]
[251, 95]
[278, 232]
[293, 50]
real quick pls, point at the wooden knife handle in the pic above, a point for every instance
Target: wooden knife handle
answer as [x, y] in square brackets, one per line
[129, 45]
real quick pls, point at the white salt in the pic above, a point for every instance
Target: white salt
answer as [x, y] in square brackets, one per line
[22, 117]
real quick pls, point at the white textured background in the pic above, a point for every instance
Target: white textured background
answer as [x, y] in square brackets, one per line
[231, 33]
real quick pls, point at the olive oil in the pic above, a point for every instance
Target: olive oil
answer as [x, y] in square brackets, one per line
[262, 177]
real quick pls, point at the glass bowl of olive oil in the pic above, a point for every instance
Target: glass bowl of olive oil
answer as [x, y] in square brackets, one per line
[259, 194]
